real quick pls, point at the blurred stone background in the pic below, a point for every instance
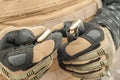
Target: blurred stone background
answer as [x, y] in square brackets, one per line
[115, 69]
[116, 65]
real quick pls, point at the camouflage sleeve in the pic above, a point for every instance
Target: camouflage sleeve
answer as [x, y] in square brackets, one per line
[109, 16]
[107, 2]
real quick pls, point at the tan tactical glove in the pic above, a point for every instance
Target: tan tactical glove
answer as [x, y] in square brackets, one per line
[25, 52]
[89, 49]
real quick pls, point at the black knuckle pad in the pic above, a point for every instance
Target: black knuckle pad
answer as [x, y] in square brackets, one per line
[17, 60]
[19, 37]
[26, 36]
[94, 34]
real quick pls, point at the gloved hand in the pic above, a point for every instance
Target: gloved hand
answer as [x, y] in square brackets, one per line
[88, 52]
[27, 50]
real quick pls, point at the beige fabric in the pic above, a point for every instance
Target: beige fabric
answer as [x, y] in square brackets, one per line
[57, 27]
[76, 46]
[13, 13]
[38, 30]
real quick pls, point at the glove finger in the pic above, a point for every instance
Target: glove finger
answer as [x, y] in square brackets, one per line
[88, 67]
[78, 61]
[92, 75]
[84, 62]
[85, 67]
